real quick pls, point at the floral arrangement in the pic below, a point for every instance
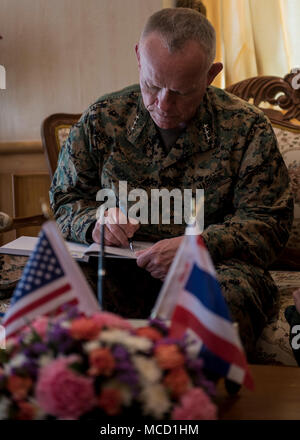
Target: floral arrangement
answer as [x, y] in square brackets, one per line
[77, 367]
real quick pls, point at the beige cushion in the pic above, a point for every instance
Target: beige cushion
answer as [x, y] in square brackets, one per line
[62, 133]
[289, 145]
[273, 345]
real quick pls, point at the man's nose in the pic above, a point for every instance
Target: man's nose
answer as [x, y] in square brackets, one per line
[165, 100]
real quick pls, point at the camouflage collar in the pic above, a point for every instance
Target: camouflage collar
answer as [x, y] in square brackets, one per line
[137, 121]
[198, 136]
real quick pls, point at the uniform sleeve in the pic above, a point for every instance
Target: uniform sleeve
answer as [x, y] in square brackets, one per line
[259, 226]
[75, 185]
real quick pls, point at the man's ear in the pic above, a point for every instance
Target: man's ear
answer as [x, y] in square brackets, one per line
[214, 70]
[137, 52]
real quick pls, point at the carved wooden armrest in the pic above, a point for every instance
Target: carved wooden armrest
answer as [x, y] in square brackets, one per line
[8, 223]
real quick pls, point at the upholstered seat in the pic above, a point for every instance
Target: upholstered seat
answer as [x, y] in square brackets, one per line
[279, 98]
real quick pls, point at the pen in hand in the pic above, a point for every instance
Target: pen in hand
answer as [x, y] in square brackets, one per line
[131, 241]
[131, 244]
[124, 211]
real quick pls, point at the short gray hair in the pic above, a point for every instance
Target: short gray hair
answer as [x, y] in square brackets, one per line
[177, 26]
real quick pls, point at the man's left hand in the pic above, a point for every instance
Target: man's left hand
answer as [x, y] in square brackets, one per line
[158, 258]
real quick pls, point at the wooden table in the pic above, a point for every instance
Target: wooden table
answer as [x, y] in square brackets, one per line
[276, 396]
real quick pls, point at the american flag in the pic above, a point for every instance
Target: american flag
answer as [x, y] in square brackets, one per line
[50, 282]
[191, 297]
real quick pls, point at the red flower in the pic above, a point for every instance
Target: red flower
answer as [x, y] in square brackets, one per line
[150, 333]
[18, 386]
[101, 361]
[85, 328]
[26, 411]
[110, 401]
[169, 356]
[178, 381]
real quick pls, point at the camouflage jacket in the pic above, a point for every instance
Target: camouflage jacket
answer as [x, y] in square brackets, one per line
[228, 149]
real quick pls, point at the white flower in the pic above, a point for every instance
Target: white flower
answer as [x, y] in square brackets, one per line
[111, 337]
[4, 407]
[147, 368]
[16, 362]
[131, 342]
[45, 359]
[155, 400]
[91, 345]
[27, 338]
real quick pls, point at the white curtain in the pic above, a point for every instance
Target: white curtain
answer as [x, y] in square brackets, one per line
[255, 37]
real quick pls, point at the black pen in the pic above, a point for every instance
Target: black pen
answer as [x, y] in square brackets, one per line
[129, 239]
[101, 265]
[131, 244]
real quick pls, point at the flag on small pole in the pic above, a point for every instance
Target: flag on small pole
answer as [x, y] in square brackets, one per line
[101, 264]
[192, 299]
[50, 282]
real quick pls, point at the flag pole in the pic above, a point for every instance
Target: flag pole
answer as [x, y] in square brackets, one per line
[101, 265]
[156, 311]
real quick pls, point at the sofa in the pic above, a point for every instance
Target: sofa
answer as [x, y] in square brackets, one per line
[279, 98]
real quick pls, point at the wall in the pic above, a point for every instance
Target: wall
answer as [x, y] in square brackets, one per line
[61, 55]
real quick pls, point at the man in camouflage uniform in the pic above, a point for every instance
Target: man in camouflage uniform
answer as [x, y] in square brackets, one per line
[177, 131]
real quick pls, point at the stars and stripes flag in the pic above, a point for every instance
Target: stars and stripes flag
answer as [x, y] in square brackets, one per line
[50, 282]
[191, 298]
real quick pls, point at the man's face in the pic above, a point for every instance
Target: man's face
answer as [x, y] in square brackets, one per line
[172, 85]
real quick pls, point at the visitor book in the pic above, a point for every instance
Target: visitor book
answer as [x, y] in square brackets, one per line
[24, 246]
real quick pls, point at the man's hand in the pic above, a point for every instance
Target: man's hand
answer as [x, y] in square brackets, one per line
[158, 258]
[117, 228]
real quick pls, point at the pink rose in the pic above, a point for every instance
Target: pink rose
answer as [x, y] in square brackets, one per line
[40, 325]
[195, 405]
[63, 393]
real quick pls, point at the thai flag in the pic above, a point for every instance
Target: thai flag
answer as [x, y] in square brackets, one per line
[191, 297]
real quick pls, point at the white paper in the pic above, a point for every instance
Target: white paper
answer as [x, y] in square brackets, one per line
[94, 249]
[25, 245]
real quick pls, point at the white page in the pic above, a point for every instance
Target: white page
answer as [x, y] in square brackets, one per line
[77, 250]
[118, 251]
[21, 246]
[24, 246]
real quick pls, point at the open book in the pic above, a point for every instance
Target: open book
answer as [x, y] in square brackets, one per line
[24, 246]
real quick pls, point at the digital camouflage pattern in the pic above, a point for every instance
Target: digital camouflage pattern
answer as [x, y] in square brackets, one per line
[11, 268]
[228, 149]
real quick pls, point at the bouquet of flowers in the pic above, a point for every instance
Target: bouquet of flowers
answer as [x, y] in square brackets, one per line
[77, 367]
